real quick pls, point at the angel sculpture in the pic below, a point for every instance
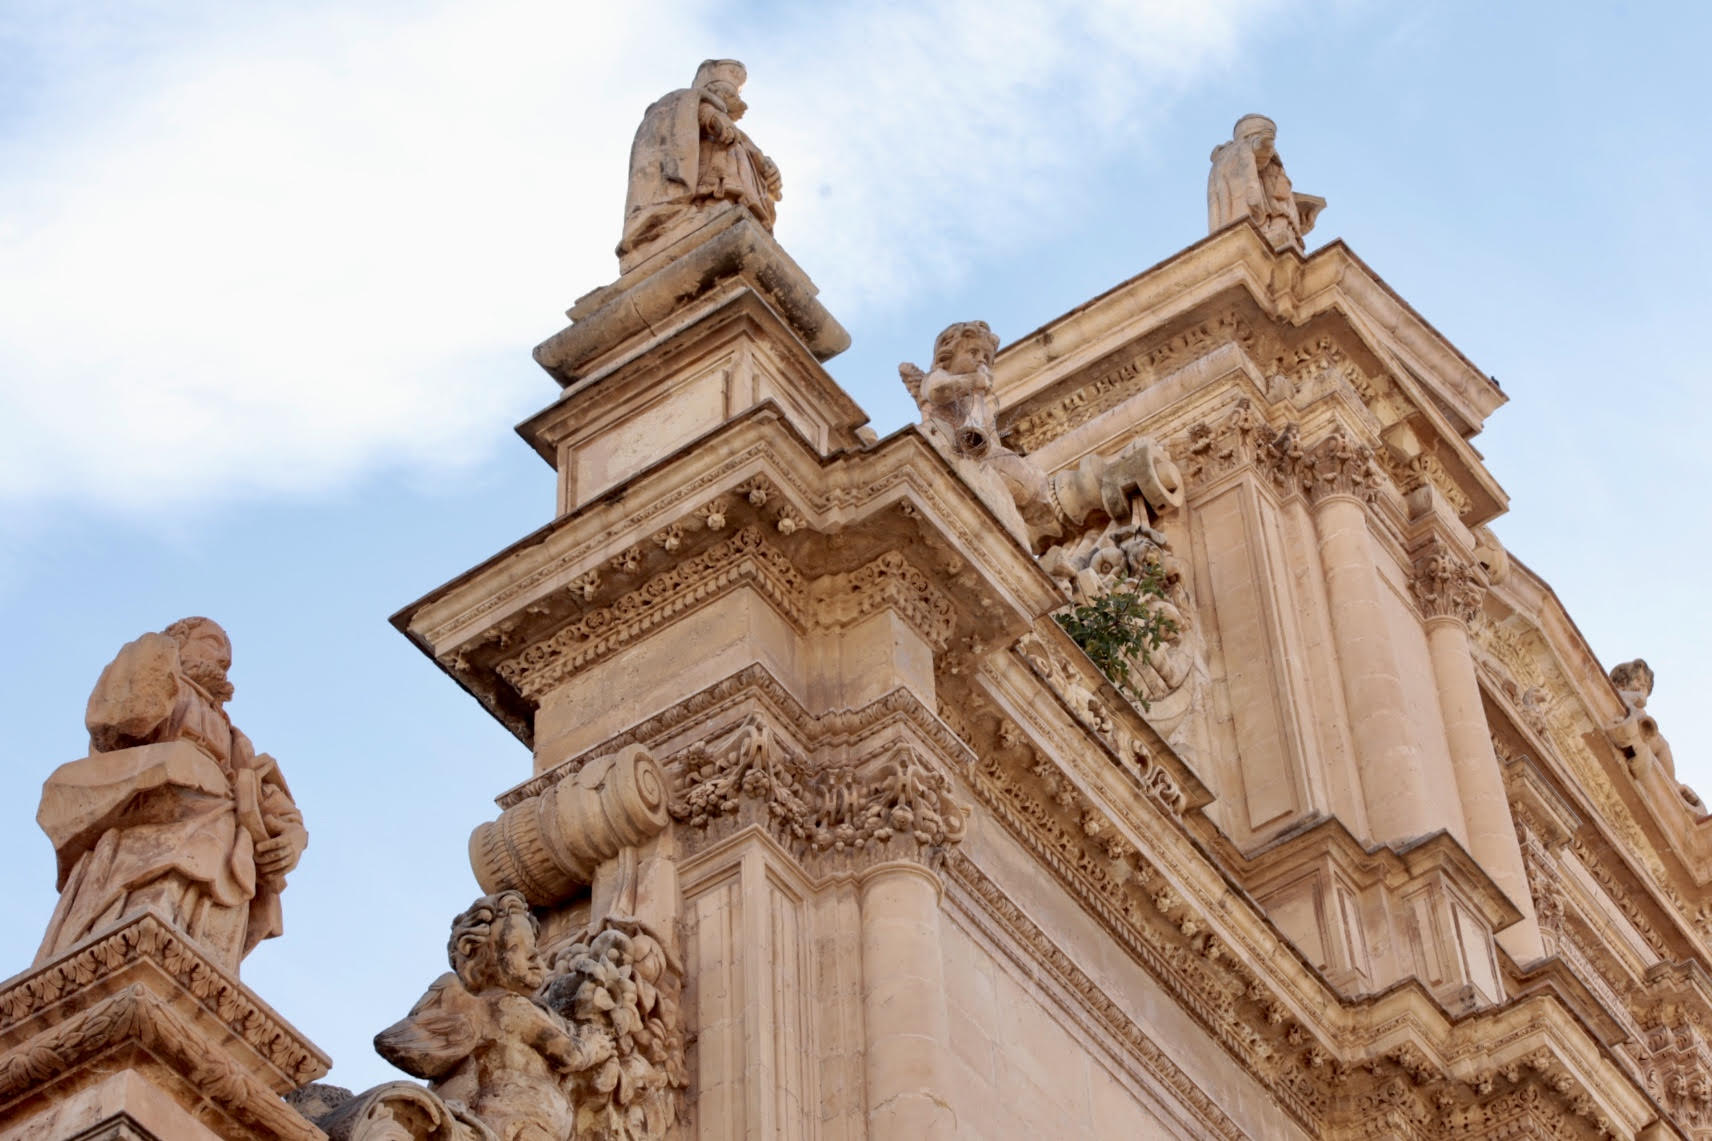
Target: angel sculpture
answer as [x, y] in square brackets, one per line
[483, 1040]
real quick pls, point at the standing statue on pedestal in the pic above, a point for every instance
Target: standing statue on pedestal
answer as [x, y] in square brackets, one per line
[688, 156]
[1248, 181]
[173, 810]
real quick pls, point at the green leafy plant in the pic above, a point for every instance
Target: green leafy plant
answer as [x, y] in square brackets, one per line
[1122, 627]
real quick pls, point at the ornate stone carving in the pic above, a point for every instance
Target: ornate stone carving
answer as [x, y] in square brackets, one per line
[688, 157]
[1446, 586]
[1170, 676]
[394, 1111]
[483, 1038]
[1337, 465]
[173, 810]
[888, 582]
[1041, 426]
[1311, 370]
[620, 981]
[551, 844]
[1422, 469]
[882, 804]
[958, 417]
[1248, 181]
[1637, 734]
[746, 557]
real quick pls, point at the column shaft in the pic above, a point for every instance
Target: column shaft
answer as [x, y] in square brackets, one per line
[903, 1004]
[1480, 782]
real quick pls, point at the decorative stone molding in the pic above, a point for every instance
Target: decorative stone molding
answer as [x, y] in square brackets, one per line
[1319, 366]
[136, 1015]
[1040, 426]
[744, 559]
[888, 582]
[992, 903]
[1338, 465]
[1445, 585]
[551, 844]
[1422, 469]
[148, 940]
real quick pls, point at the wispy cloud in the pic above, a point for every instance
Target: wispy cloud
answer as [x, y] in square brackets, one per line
[260, 250]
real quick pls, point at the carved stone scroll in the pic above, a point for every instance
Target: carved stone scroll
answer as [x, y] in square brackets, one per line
[549, 845]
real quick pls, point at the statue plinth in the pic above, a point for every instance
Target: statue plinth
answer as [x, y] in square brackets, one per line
[711, 325]
[137, 1033]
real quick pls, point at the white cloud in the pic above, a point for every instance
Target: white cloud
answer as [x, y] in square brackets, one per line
[271, 248]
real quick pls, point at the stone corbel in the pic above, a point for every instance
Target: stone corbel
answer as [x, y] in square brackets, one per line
[551, 844]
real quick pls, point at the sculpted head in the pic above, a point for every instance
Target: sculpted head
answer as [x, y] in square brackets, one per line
[1259, 132]
[206, 654]
[493, 945]
[1634, 677]
[964, 347]
[724, 78]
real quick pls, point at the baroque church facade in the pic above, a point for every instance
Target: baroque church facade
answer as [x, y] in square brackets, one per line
[1153, 741]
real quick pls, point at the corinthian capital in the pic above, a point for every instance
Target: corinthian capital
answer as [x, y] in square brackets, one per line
[1338, 465]
[1446, 585]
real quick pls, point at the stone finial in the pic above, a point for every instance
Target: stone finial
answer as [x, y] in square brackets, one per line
[1248, 181]
[173, 811]
[688, 157]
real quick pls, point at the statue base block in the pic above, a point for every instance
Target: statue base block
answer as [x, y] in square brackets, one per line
[135, 1034]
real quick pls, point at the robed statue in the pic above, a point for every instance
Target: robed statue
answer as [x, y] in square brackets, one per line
[172, 810]
[690, 155]
[1248, 181]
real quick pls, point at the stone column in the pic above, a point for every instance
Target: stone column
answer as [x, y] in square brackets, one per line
[1402, 804]
[1448, 593]
[903, 1003]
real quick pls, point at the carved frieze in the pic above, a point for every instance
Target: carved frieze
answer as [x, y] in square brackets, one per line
[888, 582]
[1042, 425]
[746, 558]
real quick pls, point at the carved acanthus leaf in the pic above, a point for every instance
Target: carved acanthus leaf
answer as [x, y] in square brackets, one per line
[1445, 585]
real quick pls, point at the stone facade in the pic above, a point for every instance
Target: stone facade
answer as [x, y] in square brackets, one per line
[841, 823]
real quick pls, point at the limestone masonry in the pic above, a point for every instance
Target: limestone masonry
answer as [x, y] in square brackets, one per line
[1152, 742]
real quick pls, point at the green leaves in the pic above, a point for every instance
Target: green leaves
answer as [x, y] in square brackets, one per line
[1120, 628]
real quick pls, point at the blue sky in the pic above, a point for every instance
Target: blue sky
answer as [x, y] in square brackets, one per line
[270, 274]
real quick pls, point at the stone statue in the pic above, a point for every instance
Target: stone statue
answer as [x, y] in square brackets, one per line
[959, 417]
[483, 1040]
[958, 414]
[1248, 181]
[1637, 734]
[689, 155]
[173, 810]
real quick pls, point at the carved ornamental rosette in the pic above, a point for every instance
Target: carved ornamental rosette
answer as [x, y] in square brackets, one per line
[1445, 585]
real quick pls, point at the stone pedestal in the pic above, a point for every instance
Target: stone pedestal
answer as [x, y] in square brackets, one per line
[135, 1035]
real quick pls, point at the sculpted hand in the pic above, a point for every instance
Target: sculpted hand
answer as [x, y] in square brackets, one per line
[771, 178]
[277, 855]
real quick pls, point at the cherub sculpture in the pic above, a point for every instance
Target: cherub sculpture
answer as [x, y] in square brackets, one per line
[484, 1041]
[1637, 734]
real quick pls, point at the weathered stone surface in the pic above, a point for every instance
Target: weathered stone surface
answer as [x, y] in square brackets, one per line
[173, 811]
